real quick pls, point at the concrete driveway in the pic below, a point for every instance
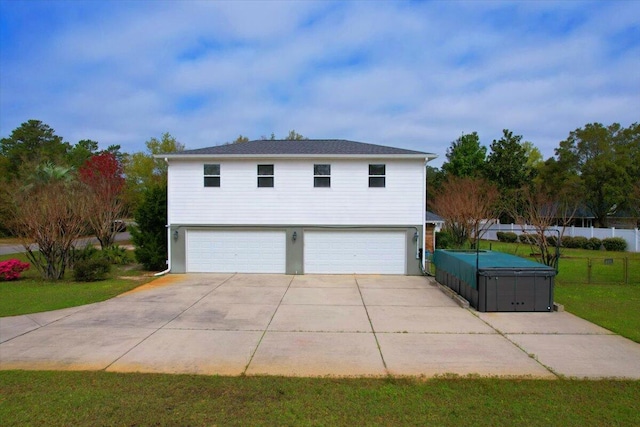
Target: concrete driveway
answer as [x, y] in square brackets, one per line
[232, 324]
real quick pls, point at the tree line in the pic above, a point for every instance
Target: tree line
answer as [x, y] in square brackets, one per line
[54, 192]
[595, 170]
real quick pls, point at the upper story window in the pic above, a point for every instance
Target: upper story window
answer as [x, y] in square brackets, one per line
[377, 175]
[322, 175]
[212, 175]
[265, 175]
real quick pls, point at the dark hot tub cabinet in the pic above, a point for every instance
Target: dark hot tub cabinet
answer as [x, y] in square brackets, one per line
[495, 281]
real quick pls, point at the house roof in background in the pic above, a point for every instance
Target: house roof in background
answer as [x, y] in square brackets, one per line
[306, 147]
[432, 217]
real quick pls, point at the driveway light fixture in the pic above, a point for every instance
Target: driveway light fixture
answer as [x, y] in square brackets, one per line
[294, 236]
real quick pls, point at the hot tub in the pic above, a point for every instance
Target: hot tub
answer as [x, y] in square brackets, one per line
[495, 281]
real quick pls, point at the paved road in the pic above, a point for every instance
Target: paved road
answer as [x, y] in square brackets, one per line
[6, 249]
[312, 325]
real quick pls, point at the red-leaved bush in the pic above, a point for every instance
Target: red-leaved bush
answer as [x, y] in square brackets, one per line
[11, 269]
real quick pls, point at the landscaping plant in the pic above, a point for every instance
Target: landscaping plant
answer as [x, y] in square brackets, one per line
[102, 177]
[11, 269]
[615, 244]
[48, 219]
[149, 235]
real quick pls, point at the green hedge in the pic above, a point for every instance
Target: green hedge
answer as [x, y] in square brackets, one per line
[92, 269]
[571, 242]
[530, 239]
[615, 244]
[507, 236]
[593, 244]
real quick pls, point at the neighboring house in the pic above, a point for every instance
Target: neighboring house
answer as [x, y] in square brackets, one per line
[296, 207]
[583, 217]
[434, 224]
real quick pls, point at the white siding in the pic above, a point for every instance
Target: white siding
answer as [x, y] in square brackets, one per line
[294, 200]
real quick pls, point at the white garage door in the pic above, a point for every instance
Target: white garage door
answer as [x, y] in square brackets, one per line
[361, 252]
[236, 251]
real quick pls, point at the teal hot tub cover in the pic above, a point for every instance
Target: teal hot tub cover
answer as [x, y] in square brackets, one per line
[467, 264]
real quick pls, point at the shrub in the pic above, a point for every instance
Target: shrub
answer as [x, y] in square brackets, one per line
[88, 252]
[593, 244]
[150, 234]
[90, 270]
[116, 255]
[11, 269]
[581, 242]
[615, 244]
[507, 236]
[443, 240]
[552, 240]
[569, 242]
[530, 239]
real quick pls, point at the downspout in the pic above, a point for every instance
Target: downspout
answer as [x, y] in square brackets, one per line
[425, 194]
[162, 273]
[423, 257]
[425, 191]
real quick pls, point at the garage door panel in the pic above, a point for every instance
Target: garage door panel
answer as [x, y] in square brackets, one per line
[360, 252]
[236, 251]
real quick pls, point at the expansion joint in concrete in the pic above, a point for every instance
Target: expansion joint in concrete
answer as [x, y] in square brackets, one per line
[267, 327]
[375, 336]
[167, 322]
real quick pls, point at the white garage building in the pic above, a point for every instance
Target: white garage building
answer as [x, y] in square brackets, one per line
[297, 207]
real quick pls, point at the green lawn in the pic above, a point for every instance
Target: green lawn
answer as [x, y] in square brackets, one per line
[615, 307]
[100, 398]
[32, 294]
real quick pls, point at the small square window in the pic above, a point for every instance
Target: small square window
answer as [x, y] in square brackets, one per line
[322, 176]
[377, 176]
[265, 176]
[212, 175]
[265, 170]
[212, 170]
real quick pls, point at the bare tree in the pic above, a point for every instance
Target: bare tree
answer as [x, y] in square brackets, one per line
[48, 218]
[538, 211]
[468, 206]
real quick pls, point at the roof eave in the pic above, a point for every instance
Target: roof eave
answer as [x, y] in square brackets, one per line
[170, 156]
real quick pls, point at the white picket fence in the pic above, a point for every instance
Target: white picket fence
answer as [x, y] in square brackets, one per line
[632, 237]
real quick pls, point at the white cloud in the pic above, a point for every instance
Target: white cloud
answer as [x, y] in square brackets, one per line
[414, 75]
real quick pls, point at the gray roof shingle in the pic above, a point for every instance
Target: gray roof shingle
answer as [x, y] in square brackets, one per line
[433, 217]
[301, 147]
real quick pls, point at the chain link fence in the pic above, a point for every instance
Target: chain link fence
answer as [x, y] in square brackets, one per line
[599, 270]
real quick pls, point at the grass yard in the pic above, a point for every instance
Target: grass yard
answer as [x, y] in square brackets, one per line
[615, 307]
[574, 263]
[32, 294]
[101, 398]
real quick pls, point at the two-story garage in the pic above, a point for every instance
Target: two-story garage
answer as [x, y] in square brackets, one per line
[297, 207]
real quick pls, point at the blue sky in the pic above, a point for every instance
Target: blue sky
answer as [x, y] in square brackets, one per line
[412, 74]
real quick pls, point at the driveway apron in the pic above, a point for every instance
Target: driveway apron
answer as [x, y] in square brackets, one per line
[312, 325]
